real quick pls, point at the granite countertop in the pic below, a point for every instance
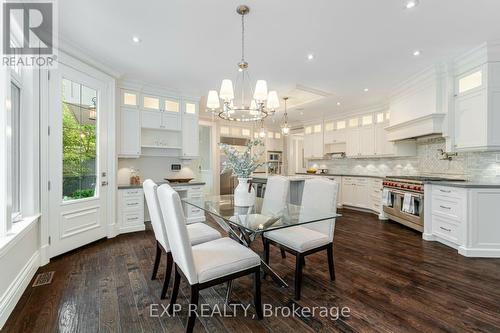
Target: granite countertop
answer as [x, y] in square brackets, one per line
[191, 183]
[338, 175]
[464, 184]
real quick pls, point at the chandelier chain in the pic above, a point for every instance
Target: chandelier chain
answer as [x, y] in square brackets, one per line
[242, 38]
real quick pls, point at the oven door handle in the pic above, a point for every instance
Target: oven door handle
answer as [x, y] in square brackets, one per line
[420, 196]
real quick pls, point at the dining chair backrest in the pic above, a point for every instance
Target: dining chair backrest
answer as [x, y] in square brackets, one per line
[157, 222]
[276, 195]
[319, 199]
[171, 209]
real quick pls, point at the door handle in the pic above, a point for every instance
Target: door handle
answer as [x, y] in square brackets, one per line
[104, 183]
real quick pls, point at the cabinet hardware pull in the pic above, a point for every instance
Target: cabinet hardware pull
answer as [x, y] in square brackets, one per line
[449, 230]
[445, 191]
[133, 204]
[444, 207]
[132, 218]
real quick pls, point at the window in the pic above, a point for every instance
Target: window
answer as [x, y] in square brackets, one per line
[16, 150]
[79, 132]
[329, 126]
[340, 124]
[245, 132]
[224, 130]
[317, 128]
[367, 120]
[151, 103]
[308, 130]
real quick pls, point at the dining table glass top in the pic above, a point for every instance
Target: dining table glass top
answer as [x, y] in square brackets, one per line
[262, 216]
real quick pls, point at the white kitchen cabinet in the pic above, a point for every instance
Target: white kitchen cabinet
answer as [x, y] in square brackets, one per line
[362, 192]
[274, 141]
[191, 192]
[130, 133]
[353, 142]
[318, 146]
[190, 130]
[308, 142]
[130, 207]
[366, 140]
[463, 218]
[129, 98]
[163, 120]
[477, 104]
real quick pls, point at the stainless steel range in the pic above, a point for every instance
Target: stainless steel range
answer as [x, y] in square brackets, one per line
[411, 211]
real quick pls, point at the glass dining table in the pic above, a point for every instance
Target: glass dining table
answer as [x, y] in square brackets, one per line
[245, 224]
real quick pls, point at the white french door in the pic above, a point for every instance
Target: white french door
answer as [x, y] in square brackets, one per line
[77, 160]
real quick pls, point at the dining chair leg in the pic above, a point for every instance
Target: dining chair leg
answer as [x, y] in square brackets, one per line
[168, 271]
[266, 254]
[228, 291]
[298, 275]
[193, 305]
[331, 265]
[157, 261]
[175, 291]
[283, 254]
[257, 301]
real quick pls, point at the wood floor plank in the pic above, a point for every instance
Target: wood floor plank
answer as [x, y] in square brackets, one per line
[389, 278]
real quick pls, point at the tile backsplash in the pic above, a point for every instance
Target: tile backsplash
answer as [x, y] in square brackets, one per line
[472, 166]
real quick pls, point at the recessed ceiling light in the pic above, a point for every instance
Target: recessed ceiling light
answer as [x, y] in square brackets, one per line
[338, 103]
[365, 90]
[310, 56]
[416, 53]
[301, 113]
[409, 4]
[136, 39]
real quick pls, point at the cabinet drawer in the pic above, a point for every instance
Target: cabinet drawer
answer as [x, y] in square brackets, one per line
[447, 191]
[447, 207]
[194, 212]
[132, 192]
[132, 218]
[132, 203]
[443, 228]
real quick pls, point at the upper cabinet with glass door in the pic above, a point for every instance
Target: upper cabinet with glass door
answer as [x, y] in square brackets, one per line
[477, 105]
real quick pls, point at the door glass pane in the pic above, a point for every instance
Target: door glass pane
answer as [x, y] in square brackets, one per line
[190, 108]
[470, 81]
[16, 148]
[129, 99]
[171, 106]
[151, 103]
[79, 130]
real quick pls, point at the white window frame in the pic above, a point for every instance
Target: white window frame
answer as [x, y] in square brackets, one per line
[16, 216]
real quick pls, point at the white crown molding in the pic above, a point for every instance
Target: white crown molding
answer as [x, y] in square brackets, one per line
[142, 86]
[76, 52]
[486, 52]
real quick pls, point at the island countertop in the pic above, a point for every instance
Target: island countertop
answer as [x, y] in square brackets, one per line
[192, 183]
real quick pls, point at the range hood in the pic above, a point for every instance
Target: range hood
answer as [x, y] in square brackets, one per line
[423, 126]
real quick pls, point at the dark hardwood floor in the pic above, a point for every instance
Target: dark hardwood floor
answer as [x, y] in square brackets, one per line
[389, 278]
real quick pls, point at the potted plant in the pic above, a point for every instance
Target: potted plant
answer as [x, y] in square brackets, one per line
[243, 164]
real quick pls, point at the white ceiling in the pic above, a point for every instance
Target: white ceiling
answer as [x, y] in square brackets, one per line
[190, 46]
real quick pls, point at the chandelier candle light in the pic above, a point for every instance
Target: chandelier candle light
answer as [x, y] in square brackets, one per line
[285, 129]
[250, 106]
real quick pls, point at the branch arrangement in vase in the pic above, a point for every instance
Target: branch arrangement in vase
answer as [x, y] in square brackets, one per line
[245, 163]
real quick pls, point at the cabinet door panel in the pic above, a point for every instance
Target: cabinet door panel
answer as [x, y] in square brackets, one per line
[470, 120]
[130, 132]
[151, 119]
[171, 121]
[367, 141]
[352, 147]
[190, 137]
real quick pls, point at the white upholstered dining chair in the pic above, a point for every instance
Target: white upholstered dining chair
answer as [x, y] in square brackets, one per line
[207, 264]
[198, 232]
[319, 199]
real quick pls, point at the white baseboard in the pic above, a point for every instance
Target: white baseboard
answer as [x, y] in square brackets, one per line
[479, 253]
[16, 289]
[44, 254]
[428, 237]
[124, 230]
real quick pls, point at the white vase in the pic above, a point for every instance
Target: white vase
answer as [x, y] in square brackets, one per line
[242, 196]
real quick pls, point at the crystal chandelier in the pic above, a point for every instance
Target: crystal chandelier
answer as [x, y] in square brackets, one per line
[285, 129]
[250, 105]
